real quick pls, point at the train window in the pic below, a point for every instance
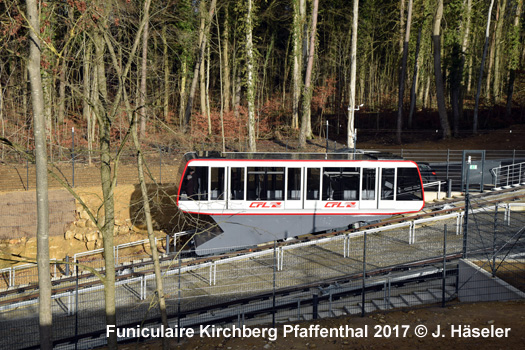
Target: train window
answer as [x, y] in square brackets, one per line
[237, 184]
[313, 182]
[387, 184]
[217, 183]
[368, 186]
[195, 184]
[265, 183]
[294, 184]
[340, 183]
[408, 185]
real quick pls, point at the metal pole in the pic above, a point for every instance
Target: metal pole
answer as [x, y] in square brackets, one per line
[494, 240]
[467, 203]
[76, 311]
[178, 302]
[273, 292]
[326, 135]
[364, 278]
[448, 160]
[73, 154]
[444, 266]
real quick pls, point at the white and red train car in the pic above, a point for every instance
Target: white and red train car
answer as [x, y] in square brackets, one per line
[261, 197]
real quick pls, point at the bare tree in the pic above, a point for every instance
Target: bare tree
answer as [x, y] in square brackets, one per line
[402, 73]
[141, 105]
[200, 58]
[440, 88]
[480, 77]
[250, 79]
[514, 56]
[307, 89]
[39, 128]
[353, 68]
[298, 24]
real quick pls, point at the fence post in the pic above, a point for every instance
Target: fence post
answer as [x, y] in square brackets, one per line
[449, 188]
[494, 240]
[274, 276]
[444, 272]
[315, 304]
[364, 278]
[467, 203]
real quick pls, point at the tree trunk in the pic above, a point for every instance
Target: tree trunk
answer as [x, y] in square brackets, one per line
[202, 76]
[141, 105]
[350, 139]
[514, 56]
[151, 235]
[226, 76]
[480, 77]
[37, 98]
[166, 61]
[402, 73]
[202, 47]
[250, 83]
[307, 90]
[497, 54]
[440, 93]
[298, 23]
[414, 80]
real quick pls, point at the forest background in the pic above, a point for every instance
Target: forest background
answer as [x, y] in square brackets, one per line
[233, 71]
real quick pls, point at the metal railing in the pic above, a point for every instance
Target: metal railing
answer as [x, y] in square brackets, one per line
[509, 175]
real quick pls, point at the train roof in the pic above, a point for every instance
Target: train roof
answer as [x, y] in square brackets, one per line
[340, 155]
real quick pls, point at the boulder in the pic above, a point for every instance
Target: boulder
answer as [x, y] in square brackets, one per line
[69, 235]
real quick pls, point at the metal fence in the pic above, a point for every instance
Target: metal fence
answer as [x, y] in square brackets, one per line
[509, 175]
[409, 264]
[163, 164]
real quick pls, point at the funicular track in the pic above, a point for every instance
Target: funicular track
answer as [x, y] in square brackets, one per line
[87, 280]
[283, 298]
[418, 275]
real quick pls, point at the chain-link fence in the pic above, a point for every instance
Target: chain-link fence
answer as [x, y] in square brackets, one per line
[411, 264]
[80, 168]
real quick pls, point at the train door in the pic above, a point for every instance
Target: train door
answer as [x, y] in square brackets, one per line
[217, 188]
[387, 188]
[294, 180]
[237, 188]
[312, 192]
[368, 198]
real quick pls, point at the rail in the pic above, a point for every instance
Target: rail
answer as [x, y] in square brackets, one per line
[345, 239]
[509, 175]
[14, 273]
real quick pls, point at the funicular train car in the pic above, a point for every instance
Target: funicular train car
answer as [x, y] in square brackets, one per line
[260, 197]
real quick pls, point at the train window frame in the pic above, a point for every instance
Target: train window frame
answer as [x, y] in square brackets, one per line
[313, 187]
[346, 179]
[388, 194]
[195, 180]
[369, 184]
[265, 183]
[238, 192]
[218, 193]
[408, 187]
[294, 187]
